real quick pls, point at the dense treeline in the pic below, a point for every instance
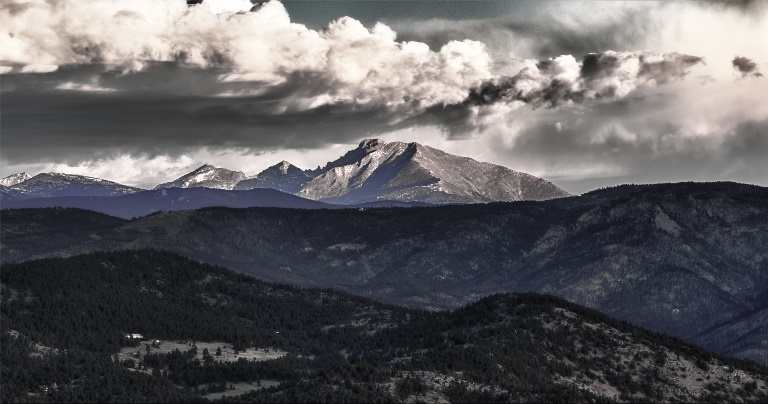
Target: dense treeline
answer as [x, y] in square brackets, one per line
[92, 301]
[63, 320]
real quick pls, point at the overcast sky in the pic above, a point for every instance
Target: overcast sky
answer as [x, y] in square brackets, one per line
[585, 94]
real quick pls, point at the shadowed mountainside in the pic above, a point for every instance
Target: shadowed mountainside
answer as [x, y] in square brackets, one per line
[171, 199]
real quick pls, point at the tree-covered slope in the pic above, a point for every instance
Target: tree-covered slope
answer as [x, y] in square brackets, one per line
[64, 321]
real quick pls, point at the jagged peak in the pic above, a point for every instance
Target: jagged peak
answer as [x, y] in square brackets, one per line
[282, 166]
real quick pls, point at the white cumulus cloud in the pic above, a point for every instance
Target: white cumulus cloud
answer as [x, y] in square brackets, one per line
[344, 63]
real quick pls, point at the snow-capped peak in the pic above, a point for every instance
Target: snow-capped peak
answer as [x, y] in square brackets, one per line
[14, 179]
[206, 176]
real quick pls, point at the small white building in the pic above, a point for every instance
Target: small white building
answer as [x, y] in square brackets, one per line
[134, 336]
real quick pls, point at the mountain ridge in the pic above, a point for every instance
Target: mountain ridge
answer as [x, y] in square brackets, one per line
[52, 184]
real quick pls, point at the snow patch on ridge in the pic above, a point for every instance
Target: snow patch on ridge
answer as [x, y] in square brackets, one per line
[14, 179]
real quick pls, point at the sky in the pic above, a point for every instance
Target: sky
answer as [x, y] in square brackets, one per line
[585, 94]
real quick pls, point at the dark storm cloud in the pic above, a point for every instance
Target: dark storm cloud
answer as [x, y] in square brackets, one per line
[746, 67]
[162, 115]
[168, 78]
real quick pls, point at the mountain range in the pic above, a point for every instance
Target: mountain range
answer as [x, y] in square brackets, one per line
[687, 259]
[374, 172]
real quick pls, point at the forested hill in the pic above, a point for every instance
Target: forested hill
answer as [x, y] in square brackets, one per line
[64, 321]
[688, 259]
